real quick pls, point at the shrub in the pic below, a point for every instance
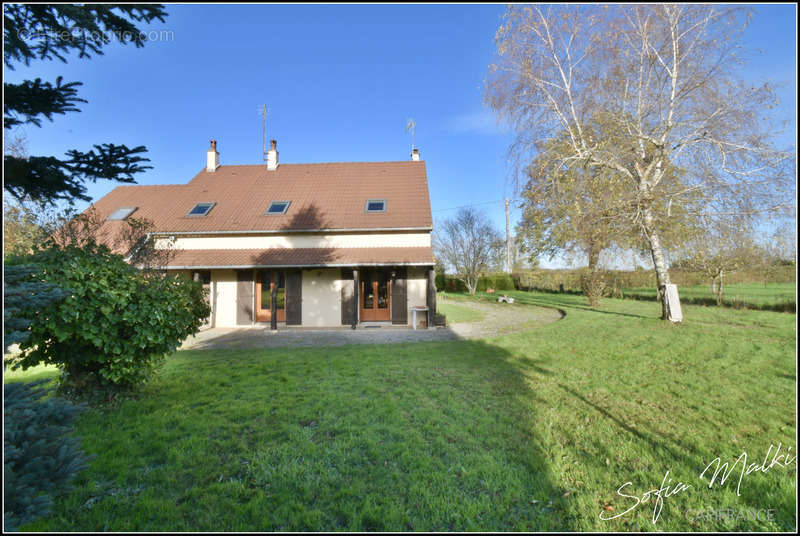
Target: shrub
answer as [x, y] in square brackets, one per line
[117, 323]
[439, 281]
[453, 284]
[40, 458]
[496, 281]
[593, 286]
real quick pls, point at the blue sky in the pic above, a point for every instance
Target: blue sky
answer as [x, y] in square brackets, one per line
[340, 82]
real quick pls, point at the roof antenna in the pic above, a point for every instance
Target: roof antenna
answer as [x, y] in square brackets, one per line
[411, 125]
[263, 112]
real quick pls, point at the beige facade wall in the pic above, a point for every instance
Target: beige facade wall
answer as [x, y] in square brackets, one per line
[322, 298]
[417, 290]
[224, 288]
[301, 240]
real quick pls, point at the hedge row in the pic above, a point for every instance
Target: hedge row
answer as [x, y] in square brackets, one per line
[786, 306]
[616, 280]
[570, 280]
[452, 283]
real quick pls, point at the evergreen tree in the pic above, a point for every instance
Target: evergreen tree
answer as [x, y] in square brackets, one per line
[23, 296]
[46, 32]
[40, 457]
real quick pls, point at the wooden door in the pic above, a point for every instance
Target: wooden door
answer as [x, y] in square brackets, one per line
[376, 296]
[266, 280]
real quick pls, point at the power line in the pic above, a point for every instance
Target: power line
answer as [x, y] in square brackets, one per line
[470, 205]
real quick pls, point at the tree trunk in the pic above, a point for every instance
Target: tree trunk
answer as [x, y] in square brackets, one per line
[714, 285]
[719, 288]
[593, 285]
[594, 259]
[660, 263]
[471, 284]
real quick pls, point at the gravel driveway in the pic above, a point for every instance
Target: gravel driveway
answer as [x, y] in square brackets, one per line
[498, 320]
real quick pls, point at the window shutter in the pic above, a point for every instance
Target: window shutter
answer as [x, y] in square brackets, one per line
[348, 296]
[399, 297]
[244, 297]
[294, 298]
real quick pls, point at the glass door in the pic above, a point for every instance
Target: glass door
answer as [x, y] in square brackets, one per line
[376, 296]
[266, 280]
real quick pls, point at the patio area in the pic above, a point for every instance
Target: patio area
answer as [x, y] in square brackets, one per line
[498, 319]
[263, 337]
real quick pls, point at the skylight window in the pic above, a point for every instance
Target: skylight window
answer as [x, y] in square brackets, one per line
[376, 205]
[278, 207]
[201, 209]
[121, 213]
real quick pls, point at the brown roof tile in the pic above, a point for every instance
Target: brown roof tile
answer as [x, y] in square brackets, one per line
[210, 258]
[322, 196]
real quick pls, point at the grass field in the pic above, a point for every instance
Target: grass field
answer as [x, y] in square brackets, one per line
[530, 431]
[755, 294]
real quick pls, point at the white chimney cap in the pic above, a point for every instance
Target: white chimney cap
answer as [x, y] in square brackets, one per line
[272, 156]
[212, 157]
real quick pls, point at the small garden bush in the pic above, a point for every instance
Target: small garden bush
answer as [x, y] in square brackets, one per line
[117, 323]
[40, 457]
[496, 282]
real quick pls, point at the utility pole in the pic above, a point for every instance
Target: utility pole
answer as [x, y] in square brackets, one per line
[508, 241]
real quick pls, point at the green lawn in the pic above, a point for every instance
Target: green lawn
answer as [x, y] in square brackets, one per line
[458, 313]
[747, 293]
[530, 431]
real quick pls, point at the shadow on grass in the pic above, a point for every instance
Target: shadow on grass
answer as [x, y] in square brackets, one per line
[556, 300]
[429, 436]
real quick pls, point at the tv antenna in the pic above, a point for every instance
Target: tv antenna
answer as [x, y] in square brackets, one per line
[411, 126]
[263, 111]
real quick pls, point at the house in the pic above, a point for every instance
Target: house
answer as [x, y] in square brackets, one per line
[315, 245]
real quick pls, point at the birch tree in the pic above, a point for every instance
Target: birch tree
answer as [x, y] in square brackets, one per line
[666, 81]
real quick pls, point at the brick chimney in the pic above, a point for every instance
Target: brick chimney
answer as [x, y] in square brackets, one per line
[272, 156]
[415, 155]
[212, 157]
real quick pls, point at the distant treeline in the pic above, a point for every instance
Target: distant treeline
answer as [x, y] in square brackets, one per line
[630, 284]
[619, 280]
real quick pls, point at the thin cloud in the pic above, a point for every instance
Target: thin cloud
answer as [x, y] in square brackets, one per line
[481, 122]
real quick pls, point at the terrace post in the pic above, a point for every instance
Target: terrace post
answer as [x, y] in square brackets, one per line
[356, 286]
[273, 317]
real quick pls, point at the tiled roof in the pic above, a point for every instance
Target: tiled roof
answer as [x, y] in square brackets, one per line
[245, 258]
[322, 196]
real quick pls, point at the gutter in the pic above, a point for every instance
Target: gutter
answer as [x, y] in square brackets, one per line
[340, 265]
[287, 231]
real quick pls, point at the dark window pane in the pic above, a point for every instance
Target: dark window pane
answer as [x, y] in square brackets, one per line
[369, 293]
[203, 275]
[280, 298]
[266, 304]
[278, 207]
[375, 206]
[383, 291]
[201, 209]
